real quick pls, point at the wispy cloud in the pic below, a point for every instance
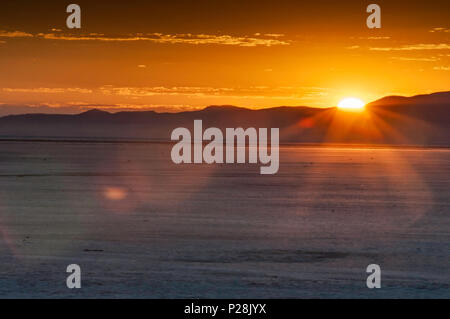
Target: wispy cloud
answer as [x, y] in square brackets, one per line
[298, 93]
[47, 90]
[442, 68]
[378, 38]
[415, 47]
[78, 107]
[372, 38]
[195, 39]
[202, 95]
[440, 29]
[274, 35]
[15, 34]
[161, 90]
[430, 59]
[267, 40]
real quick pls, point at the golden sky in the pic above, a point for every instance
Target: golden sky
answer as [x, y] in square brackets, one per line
[181, 55]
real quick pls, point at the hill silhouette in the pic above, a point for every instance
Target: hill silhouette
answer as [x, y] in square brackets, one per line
[417, 120]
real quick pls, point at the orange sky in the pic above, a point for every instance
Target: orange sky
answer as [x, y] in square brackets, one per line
[175, 55]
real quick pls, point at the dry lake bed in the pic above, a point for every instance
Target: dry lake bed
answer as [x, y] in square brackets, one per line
[140, 226]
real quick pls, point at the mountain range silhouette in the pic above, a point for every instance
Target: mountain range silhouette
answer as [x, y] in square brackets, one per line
[418, 120]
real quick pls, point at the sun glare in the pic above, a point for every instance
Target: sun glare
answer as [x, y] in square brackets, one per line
[351, 104]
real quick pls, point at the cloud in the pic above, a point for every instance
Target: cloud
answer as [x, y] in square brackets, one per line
[353, 47]
[161, 90]
[76, 108]
[442, 68]
[440, 29]
[415, 47]
[142, 66]
[174, 98]
[135, 93]
[47, 90]
[253, 92]
[372, 38]
[431, 59]
[15, 34]
[194, 39]
[378, 38]
[274, 35]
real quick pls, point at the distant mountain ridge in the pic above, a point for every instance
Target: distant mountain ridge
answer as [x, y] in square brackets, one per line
[417, 120]
[433, 98]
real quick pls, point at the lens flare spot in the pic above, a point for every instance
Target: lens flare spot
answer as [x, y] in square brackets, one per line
[115, 193]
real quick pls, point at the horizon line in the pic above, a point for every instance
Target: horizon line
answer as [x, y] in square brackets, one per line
[125, 110]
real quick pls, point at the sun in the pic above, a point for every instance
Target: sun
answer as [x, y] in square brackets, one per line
[351, 104]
